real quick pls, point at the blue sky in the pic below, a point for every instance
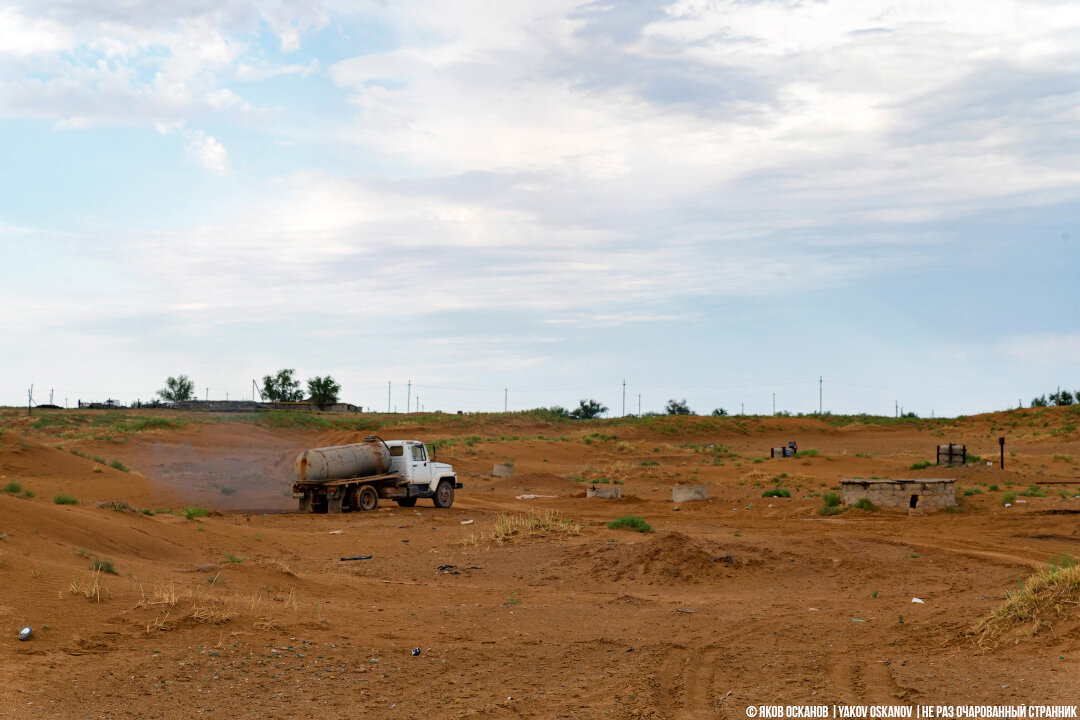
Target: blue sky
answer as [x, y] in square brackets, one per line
[711, 200]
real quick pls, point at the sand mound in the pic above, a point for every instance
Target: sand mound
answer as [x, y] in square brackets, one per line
[666, 559]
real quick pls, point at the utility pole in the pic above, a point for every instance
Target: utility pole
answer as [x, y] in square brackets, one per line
[820, 380]
[408, 398]
[742, 408]
[639, 404]
[29, 398]
[50, 396]
[897, 407]
[388, 385]
[506, 399]
[226, 396]
[624, 397]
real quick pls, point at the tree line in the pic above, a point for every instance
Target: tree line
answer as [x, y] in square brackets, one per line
[1061, 397]
[283, 386]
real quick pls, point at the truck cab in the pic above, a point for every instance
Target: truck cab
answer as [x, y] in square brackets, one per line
[410, 459]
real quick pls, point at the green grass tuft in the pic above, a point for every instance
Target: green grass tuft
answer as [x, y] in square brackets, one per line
[776, 492]
[13, 488]
[195, 512]
[630, 522]
[65, 499]
[117, 465]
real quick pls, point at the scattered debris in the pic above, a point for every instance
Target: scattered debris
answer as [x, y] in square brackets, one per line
[358, 557]
[416, 652]
[533, 497]
[685, 610]
[336, 532]
[26, 632]
[467, 522]
[917, 600]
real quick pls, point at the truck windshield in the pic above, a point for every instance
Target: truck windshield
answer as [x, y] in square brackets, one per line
[418, 452]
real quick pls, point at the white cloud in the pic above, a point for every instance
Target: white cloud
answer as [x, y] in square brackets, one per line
[207, 151]
[1045, 349]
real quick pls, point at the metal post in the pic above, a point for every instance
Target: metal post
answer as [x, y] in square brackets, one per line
[820, 380]
[1001, 442]
[506, 399]
[624, 396]
[408, 398]
[29, 399]
[639, 404]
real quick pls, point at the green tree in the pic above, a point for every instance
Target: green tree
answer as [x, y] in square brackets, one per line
[677, 407]
[588, 409]
[719, 412]
[282, 387]
[323, 390]
[177, 389]
[1039, 401]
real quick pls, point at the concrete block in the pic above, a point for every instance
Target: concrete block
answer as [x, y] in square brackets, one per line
[688, 493]
[501, 470]
[604, 491]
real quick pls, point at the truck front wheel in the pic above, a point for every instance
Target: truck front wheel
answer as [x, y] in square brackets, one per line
[444, 494]
[367, 498]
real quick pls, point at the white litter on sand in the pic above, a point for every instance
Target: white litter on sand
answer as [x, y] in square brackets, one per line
[533, 497]
[467, 522]
[917, 600]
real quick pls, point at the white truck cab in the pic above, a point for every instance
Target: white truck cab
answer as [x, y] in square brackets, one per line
[409, 458]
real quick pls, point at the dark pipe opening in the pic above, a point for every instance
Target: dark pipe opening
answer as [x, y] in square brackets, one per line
[914, 501]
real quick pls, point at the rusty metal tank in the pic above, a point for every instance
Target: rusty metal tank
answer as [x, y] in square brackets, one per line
[370, 457]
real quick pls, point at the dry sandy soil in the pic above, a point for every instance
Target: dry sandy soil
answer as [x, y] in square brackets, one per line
[738, 600]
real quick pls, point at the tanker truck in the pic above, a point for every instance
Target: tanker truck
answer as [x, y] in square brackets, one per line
[343, 478]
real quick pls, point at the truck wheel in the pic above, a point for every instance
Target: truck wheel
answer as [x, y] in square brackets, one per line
[367, 498]
[406, 502]
[444, 494]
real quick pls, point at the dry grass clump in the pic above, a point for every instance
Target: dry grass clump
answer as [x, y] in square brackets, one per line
[509, 527]
[1052, 593]
[94, 589]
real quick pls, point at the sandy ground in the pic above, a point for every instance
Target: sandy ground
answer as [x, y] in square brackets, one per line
[739, 600]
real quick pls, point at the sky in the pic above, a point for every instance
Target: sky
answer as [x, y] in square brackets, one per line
[529, 203]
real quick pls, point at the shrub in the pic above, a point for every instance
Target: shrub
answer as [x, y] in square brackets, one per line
[1034, 491]
[831, 504]
[105, 566]
[921, 465]
[630, 522]
[65, 499]
[865, 504]
[776, 492]
[1008, 498]
[117, 465]
[195, 512]
[809, 453]
[13, 488]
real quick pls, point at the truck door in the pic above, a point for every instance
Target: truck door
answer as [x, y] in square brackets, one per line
[420, 468]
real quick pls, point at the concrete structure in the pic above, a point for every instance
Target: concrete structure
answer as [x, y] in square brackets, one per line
[604, 491]
[912, 494]
[951, 455]
[688, 493]
[503, 470]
